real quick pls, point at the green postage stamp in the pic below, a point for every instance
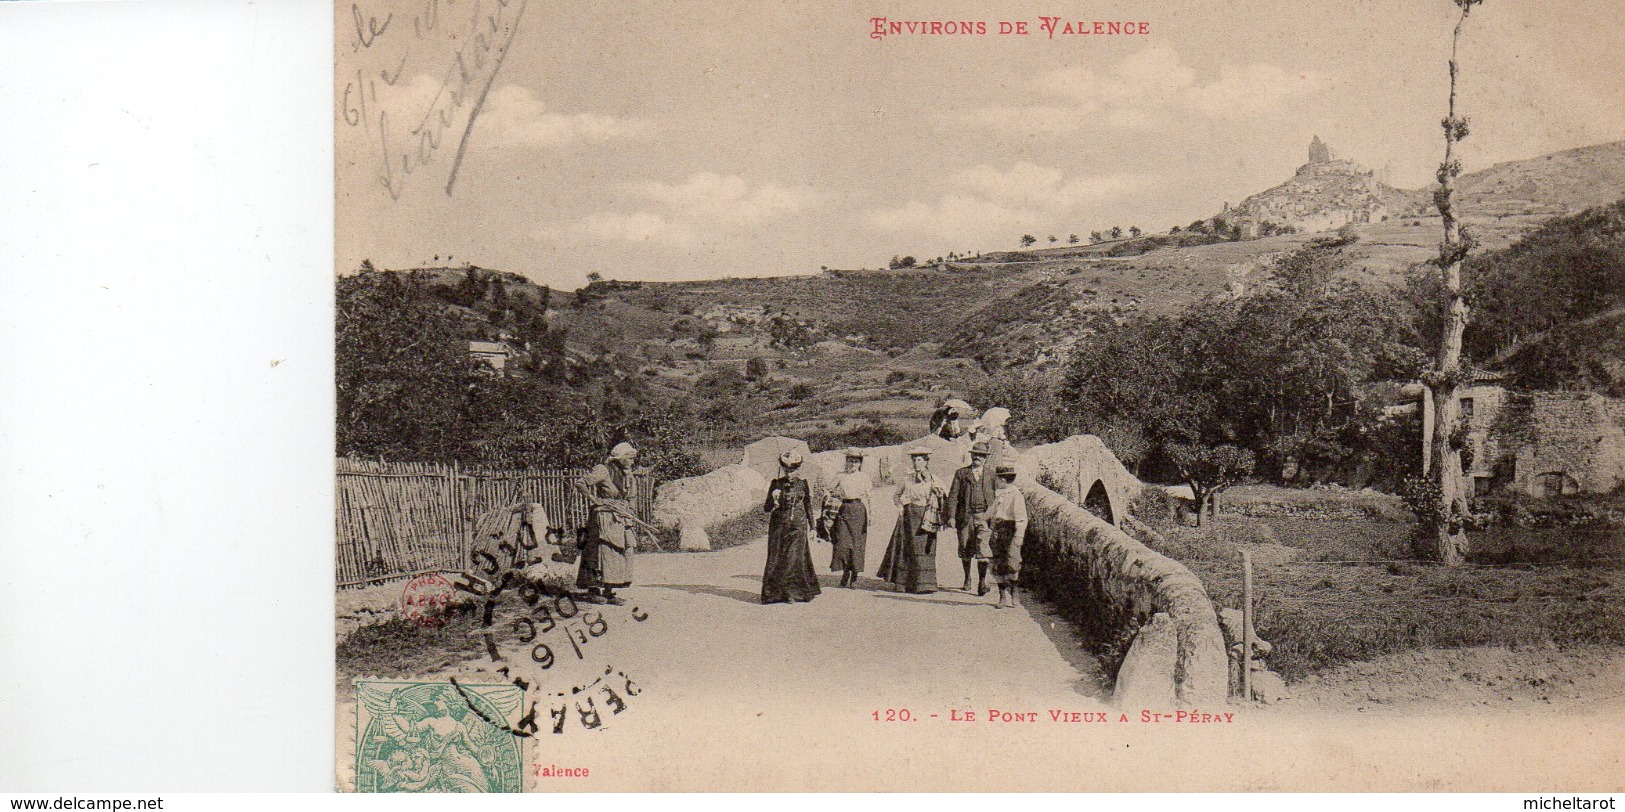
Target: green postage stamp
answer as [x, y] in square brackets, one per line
[437, 737]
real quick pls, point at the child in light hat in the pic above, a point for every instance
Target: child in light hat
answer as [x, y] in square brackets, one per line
[1007, 519]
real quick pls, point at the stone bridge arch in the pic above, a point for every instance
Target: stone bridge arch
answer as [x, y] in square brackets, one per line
[1086, 472]
[1098, 502]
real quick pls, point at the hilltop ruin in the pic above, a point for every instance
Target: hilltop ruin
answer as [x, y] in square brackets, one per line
[1325, 193]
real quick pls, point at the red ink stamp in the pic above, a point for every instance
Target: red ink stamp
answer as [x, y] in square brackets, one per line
[425, 598]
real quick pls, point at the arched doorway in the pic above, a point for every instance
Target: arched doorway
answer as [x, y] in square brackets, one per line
[1098, 503]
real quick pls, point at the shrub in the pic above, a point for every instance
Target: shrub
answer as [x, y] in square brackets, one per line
[1155, 506]
[871, 432]
[738, 530]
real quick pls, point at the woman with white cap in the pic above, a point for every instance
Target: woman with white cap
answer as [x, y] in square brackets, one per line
[911, 558]
[850, 530]
[606, 553]
[788, 576]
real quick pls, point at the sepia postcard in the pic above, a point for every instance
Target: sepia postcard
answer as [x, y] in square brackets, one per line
[979, 396]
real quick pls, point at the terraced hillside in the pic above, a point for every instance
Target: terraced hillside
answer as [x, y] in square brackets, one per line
[847, 346]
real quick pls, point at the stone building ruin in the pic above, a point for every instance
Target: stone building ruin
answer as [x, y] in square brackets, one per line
[1324, 194]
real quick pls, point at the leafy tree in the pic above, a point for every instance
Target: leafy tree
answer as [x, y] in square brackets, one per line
[1174, 230]
[1209, 470]
[1446, 524]
[1053, 239]
[1134, 231]
[1285, 372]
[408, 390]
[1037, 413]
[1547, 309]
[1027, 240]
[1095, 237]
[1133, 372]
[1072, 239]
[1117, 232]
[402, 370]
[1127, 441]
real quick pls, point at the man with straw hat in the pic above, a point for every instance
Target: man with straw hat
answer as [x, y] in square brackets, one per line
[606, 552]
[969, 496]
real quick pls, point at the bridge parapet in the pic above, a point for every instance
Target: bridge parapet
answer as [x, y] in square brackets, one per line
[1113, 586]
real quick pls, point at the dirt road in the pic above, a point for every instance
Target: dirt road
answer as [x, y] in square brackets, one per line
[860, 689]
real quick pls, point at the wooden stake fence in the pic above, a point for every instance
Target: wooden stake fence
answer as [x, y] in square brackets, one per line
[395, 519]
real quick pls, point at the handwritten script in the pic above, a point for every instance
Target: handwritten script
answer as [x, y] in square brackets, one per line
[415, 80]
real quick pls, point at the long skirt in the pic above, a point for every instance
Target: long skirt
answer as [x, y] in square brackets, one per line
[788, 576]
[911, 557]
[850, 535]
[606, 557]
[1005, 565]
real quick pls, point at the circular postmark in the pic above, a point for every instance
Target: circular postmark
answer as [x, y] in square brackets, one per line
[425, 598]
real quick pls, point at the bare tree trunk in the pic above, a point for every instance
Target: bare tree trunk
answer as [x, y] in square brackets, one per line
[1450, 539]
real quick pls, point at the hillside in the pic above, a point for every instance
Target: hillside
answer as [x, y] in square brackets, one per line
[1559, 183]
[1550, 310]
[1321, 196]
[849, 346]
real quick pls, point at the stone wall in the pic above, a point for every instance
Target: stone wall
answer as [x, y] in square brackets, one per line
[687, 507]
[1112, 586]
[1574, 435]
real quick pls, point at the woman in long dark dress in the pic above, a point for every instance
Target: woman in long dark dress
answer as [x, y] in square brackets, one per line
[910, 563]
[789, 577]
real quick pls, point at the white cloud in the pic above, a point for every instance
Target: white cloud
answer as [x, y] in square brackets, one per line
[1147, 89]
[511, 116]
[514, 115]
[727, 199]
[990, 203]
[703, 207]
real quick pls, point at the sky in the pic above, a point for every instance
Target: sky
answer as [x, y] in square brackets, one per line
[706, 140]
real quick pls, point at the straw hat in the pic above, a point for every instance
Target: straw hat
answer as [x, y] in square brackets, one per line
[790, 459]
[1007, 471]
[623, 451]
[919, 451]
[980, 449]
[854, 453]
